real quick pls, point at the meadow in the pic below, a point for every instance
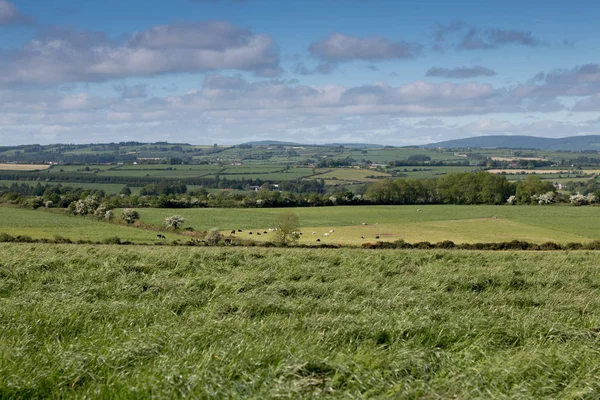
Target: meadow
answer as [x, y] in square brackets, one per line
[128, 322]
[433, 223]
[352, 225]
[42, 224]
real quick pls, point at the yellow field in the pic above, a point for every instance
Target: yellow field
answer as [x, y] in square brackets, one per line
[23, 167]
[529, 171]
[459, 231]
[517, 158]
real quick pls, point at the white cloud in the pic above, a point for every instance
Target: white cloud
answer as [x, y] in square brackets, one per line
[69, 56]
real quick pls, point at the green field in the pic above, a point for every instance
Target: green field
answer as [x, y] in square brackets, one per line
[42, 224]
[147, 322]
[461, 224]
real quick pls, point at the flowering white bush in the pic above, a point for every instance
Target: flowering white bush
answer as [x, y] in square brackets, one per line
[546, 198]
[174, 222]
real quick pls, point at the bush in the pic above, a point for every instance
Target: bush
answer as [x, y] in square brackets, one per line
[112, 240]
[213, 237]
[174, 222]
[130, 215]
[61, 239]
[5, 237]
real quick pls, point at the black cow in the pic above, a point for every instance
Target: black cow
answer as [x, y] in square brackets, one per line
[233, 232]
[160, 236]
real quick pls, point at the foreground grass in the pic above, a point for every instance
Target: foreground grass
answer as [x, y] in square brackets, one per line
[140, 322]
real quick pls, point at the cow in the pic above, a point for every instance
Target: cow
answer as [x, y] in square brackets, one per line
[376, 237]
[160, 236]
[233, 232]
[362, 237]
[227, 241]
[318, 240]
[258, 233]
[265, 232]
[239, 230]
[250, 233]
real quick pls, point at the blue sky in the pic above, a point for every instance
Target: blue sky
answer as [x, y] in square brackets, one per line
[310, 71]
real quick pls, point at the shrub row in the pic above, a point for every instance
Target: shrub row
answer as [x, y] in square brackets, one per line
[512, 245]
[399, 244]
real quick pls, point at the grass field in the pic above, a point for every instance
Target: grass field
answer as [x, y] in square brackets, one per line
[351, 225]
[461, 224]
[350, 175]
[41, 224]
[147, 322]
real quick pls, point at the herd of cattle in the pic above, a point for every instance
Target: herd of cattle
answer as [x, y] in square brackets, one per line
[233, 232]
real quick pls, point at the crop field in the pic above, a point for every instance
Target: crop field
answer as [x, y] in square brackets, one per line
[23, 167]
[433, 223]
[149, 322]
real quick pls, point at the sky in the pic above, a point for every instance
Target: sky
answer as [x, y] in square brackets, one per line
[392, 72]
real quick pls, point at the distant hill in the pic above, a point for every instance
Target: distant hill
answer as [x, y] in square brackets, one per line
[348, 145]
[573, 143]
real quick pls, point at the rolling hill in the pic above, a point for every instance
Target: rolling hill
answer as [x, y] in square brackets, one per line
[573, 143]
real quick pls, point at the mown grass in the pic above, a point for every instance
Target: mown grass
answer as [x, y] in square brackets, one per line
[135, 322]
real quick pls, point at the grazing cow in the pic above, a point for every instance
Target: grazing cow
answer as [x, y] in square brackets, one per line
[258, 233]
[265, 232]
[227, 241]
[418, 209]
[301, 233]
[326, 234]
[318, 240]
[314, 233]
[233, 232]
[239, 230]
[249, 233]
[160, 236]
[331, 231]
[376, 237]
[364, 223]
[362, 237]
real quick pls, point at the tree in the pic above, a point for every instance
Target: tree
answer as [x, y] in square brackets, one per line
[174, 222]
[288, 226]
[126, 191]
[130, 215]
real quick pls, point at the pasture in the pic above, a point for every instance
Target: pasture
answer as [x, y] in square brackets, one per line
[433, 223]
[148, 322]
[42, 224]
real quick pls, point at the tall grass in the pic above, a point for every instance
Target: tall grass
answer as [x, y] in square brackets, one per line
[141, 322]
